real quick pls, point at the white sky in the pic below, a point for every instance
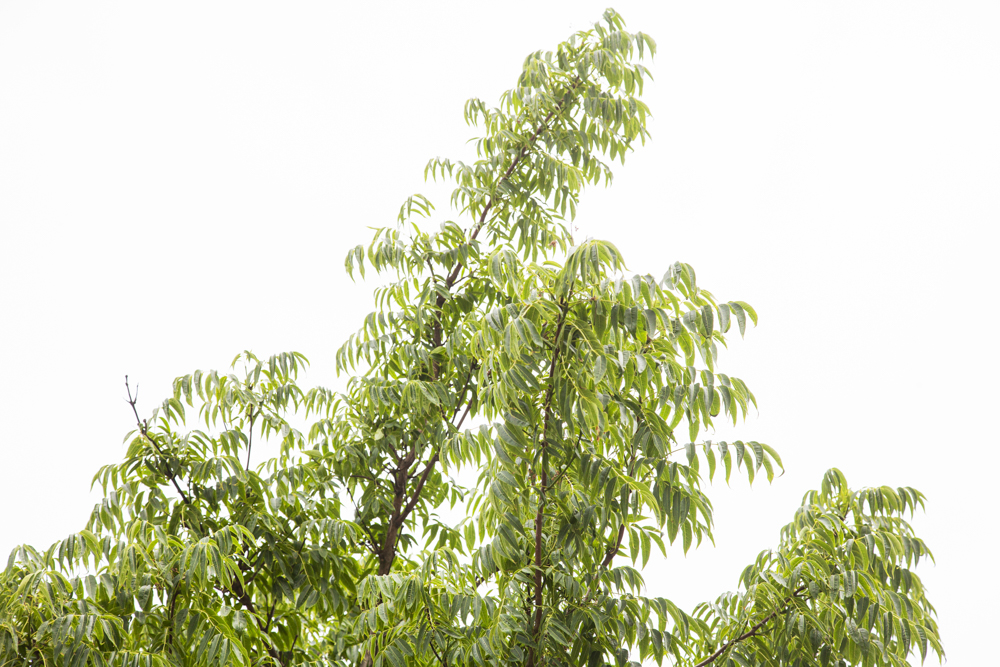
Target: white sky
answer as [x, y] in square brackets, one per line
[181, 181]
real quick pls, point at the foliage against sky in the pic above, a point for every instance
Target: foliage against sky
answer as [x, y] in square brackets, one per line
[591, 388]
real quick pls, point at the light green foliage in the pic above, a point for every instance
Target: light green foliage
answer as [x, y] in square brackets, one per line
[503, 350]
[837, 590]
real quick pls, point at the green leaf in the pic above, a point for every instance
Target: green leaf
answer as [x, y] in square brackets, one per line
[600, 367]
[741, 317]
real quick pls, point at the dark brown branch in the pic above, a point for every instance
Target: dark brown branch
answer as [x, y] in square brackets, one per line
[613, 551]
[253, 569]
[420, 487]
[143, 429]
[386, 551]
[438, 655]
[173, 596]
[442, 660]
[401, 512]
[372, 542]
[461, 396]
[754, 631]
[609, 556]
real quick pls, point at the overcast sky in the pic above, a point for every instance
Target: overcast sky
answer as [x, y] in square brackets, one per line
[181, 181]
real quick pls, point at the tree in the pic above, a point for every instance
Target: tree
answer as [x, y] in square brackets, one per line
[502, 348]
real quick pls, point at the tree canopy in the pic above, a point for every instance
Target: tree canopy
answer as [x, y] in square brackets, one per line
[513, 374]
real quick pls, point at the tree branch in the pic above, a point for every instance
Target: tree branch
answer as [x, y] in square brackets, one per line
[247, 603]
[270, 614]
[454, 273]
[141, 423]
[420, 487]
[461, 396]
[401, 512]
[464, 415]
[613, 551]
[565, 469]
[752, 632]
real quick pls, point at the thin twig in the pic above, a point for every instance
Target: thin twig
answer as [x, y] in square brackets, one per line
[464, 415]
[562, 473]
[270, 614]
[250, 438]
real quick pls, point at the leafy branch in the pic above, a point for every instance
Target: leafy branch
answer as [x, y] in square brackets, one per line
[141, 424]
[756, 629]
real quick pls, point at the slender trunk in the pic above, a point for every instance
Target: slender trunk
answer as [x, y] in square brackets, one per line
[543, 489]
[539, 523]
